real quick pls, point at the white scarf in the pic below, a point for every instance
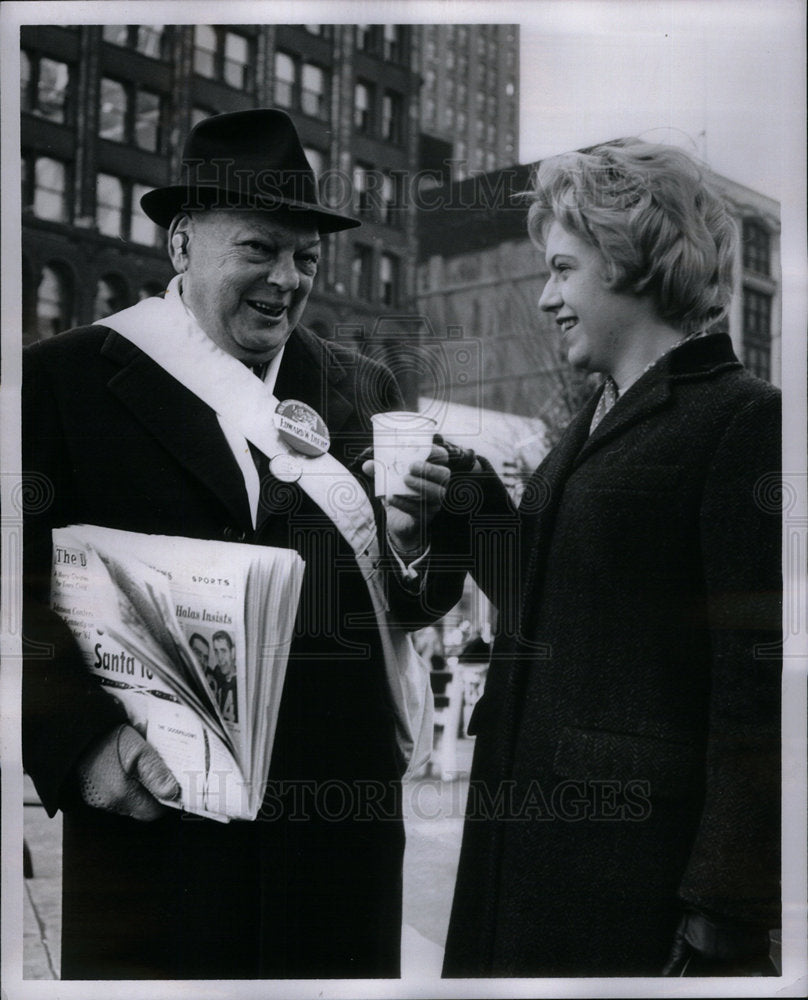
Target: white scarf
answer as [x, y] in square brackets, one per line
[169, 334]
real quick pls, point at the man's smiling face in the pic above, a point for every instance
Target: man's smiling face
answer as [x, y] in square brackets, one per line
[246, 276]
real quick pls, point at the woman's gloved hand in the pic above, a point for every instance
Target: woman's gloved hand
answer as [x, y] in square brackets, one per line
[713, 946]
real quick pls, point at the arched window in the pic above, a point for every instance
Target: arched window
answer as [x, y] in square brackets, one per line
[53, 302]
[110, 296]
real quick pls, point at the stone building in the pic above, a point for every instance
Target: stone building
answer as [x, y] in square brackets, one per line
[104, 113]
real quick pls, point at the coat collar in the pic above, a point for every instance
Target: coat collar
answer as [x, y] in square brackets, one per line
[698, 358]
[695, 359]
[189, 429]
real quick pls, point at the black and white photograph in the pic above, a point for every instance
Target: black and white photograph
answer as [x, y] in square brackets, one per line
[404, 499]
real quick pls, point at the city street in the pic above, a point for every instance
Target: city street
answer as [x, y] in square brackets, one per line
[433, 810]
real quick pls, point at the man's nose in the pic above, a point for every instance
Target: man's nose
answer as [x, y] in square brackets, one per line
[283, 273]
[550, 298]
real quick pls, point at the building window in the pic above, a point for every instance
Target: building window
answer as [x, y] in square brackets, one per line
[53, 303]
[148, 39]
[301, 87]
[204, 50]
[223, 55]
[362, 272]
[362, 188]
[141, 228]
[756, 247]
[363, 106]
[110, 296]
[367, 37]
[389, 200]
[44, 87]
[129, 114]
[109, 205]
[50, 189]
[392, 47]
[116, 34]
[388, 274]
[284, 79]
[392, 116]
[757, 319]
[236, 60]
[112, 113]
[147, 120]
[312, 92]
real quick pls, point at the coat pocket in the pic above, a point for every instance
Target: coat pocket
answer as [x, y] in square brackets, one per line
[669, 768]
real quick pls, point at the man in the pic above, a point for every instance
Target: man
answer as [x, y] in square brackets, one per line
[201, 649]
[154, 421]
[624, 803]
[225, 675]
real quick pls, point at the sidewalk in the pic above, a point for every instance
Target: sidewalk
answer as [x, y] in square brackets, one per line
[433, 811]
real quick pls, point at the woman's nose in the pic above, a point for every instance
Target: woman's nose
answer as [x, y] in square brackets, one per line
[550, 298]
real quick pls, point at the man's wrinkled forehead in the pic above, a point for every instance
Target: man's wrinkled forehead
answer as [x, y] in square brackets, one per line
[278, 225]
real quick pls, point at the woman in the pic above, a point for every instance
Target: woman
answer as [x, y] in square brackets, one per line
[623, 814]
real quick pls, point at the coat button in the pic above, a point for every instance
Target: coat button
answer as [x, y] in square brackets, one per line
[231, 534]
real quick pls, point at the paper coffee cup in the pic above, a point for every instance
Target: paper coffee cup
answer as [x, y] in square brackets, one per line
[400, 438]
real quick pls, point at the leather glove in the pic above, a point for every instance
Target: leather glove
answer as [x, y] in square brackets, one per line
[716, 946]
[123, 774]
[460, 459]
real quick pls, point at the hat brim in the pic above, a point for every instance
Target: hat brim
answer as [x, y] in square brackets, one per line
[162, 204]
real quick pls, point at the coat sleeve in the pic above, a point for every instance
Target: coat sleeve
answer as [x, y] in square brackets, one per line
[734, 865]
[474, 532]
[63, 710]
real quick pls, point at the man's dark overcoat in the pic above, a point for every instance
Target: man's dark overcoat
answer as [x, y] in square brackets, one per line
[628, 746]
[313, 886]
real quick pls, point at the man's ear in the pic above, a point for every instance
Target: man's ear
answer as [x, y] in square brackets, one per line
[178, 242]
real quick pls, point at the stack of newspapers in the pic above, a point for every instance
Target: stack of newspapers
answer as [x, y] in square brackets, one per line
[192, 637]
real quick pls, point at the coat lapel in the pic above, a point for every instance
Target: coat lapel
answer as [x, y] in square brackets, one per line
[311, 372]
[184, 425]
[641, 400]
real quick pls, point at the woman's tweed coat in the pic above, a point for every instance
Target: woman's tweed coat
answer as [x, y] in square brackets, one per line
[627, 757]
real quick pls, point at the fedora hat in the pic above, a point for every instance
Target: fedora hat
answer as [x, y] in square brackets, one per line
[247, 160]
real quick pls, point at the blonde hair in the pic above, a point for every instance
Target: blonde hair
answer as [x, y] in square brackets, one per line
[658, 221]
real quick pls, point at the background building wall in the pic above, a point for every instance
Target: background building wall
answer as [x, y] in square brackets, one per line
[105, 112]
